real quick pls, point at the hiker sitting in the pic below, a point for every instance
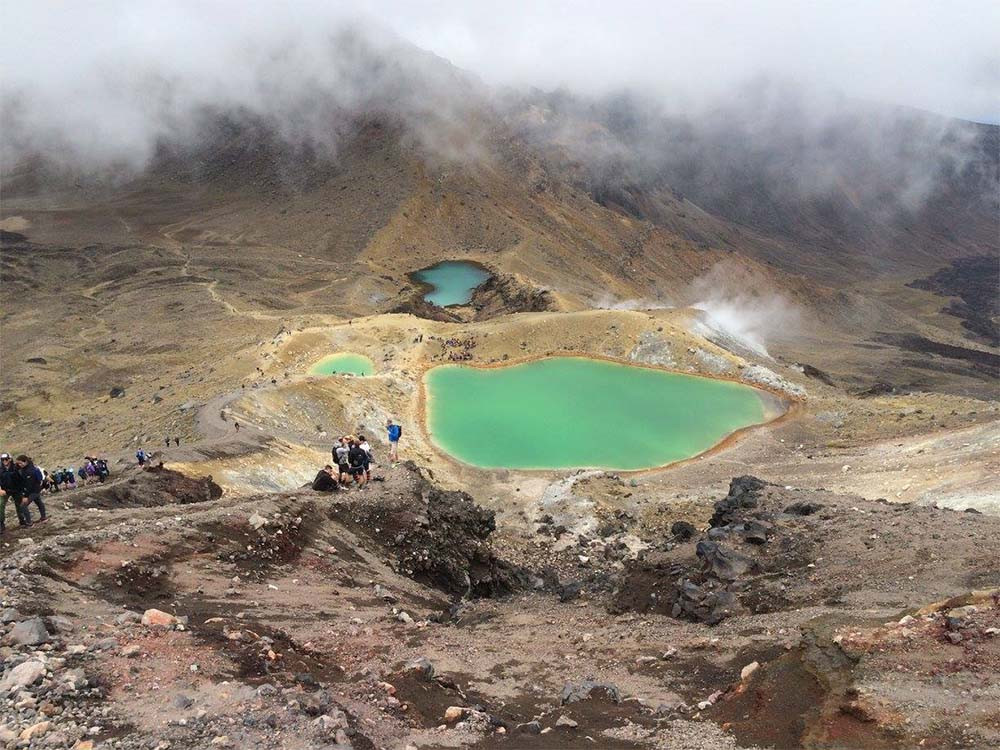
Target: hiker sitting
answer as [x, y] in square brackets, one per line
[326, 480]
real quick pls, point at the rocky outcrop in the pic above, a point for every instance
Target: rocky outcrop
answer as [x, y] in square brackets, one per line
[503, 294]
[152, 486]
[438, 538]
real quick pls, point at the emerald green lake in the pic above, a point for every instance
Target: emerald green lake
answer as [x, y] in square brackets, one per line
[452, 281]
[574, 412]
[343, 363]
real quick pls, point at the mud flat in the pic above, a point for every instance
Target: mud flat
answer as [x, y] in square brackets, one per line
[577, 412]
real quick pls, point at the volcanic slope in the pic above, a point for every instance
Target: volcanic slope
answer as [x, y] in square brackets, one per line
[215, 251]
[198, 295]
[394, 616]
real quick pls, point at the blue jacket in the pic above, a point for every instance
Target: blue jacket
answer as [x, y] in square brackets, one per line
[395, 432]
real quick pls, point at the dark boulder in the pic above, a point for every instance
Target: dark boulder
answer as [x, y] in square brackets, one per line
[744, 494]
[721, 562]
[580, 691]
[682, 531]
[702, 603]
[756, 532]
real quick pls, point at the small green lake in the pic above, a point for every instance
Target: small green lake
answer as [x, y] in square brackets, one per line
[343, 363]
[575, 412]
[452, 281]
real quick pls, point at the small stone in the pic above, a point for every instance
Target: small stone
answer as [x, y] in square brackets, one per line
[531, 727]
[748, 670]
[30, 632]
[565, 721]
[132, 651]
[24, 674]
[128, 618]
[36, 730]
[421, 666]
[453, 713]
[257, 520]
[84, 745]
[221, 740]
[182, 702]
[954, 636]
[265, 690]
[158, 618]
[404, 617]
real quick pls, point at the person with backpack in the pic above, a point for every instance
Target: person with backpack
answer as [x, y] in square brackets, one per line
[340, 452]
[357, 459]
[10, 489]
[395, 433]
[31, 488]
[141, 456]
[101, 467]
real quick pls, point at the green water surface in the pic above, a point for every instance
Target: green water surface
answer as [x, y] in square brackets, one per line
[574, 412]
[453, 281]
[343, 362]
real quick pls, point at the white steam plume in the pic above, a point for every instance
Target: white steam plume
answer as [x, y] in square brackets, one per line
[742, 309]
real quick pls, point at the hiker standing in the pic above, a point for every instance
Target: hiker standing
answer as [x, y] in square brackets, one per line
[395, 433]
[10, 489]
[357, 459]
[177, 442]
[340, 452]
[31, 488]
[369, 458]
[140, 456]
[166, 442]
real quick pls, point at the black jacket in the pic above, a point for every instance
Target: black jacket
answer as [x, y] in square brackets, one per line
[10, 479]
[357, 457]
[324, 482]
[31, 479]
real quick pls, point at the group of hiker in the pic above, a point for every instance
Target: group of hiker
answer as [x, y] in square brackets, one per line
[23, 484]
[353, 459]
[142, 456]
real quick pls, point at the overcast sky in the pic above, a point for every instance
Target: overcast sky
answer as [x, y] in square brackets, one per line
[941, 56]
[116, 74]
[938, 55]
